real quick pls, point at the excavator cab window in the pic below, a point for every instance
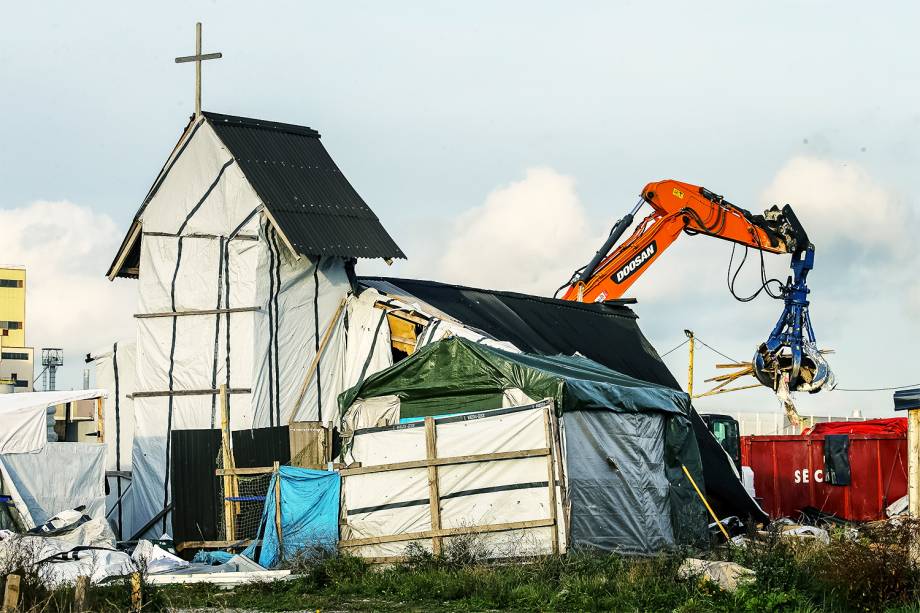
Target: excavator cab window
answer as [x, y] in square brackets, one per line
[726, 432]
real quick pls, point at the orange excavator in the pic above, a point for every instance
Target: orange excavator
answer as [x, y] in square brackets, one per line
[789, 359]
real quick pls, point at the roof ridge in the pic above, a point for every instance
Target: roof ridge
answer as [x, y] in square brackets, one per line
[589, 306]
[251, 122]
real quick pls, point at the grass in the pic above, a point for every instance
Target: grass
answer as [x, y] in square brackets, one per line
[865, 571]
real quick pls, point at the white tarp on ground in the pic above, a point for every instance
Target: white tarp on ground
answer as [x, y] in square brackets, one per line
[23, 425]
[115, 371]
[57, 477]
[473, 494]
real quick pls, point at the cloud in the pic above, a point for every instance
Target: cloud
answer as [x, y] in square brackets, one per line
[527, 236]
[66, 249]
[840, 204]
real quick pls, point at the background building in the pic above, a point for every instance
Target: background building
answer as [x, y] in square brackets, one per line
[16, 359]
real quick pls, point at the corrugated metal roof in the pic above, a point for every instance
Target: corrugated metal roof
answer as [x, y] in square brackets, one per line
[314, 204]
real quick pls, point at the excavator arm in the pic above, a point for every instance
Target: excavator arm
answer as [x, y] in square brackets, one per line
[789, 357]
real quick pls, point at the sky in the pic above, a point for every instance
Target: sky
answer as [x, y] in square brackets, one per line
[498, 143]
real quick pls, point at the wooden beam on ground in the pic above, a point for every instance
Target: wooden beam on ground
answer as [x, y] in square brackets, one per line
[463, 459]
[427, 534]
[213, 544]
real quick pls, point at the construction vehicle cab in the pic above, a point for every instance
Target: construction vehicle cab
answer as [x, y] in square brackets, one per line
[726, 431]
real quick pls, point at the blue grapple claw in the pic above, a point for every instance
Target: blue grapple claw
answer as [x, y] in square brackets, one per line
[791, 350]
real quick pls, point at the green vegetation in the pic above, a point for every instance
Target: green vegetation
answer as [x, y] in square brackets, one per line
[864, 571]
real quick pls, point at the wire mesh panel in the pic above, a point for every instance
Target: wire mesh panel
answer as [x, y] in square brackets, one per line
[243, 498]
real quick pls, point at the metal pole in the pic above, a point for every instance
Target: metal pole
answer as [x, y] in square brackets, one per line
[198, 69]
[689, 334]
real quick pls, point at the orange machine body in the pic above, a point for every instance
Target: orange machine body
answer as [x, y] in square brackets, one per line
[677, 207]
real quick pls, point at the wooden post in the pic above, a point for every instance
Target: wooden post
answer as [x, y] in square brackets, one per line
[434, 494]
[137, 596]
[560, 459]
[79, 595]
[11, 593]
[277, 468]
[100, 421]
[551, 477]
[229, 481]
[913, 462]
[913, 473]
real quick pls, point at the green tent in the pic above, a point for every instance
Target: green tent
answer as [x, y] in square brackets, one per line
[625, 440]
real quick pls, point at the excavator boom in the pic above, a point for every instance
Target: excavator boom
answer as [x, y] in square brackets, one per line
[789, 357]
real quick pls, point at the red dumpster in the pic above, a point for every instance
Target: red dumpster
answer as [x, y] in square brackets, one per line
[789, 472]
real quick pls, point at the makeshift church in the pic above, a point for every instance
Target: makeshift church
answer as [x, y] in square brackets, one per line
[244, 252]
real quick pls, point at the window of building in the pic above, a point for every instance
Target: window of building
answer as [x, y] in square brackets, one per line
[11, 325]
[21, 383]
[11, 355]
[10, 282]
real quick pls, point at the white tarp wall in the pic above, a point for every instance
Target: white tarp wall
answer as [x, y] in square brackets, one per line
[55, 478]
[114, 369]
[207, 246]
[393, 505]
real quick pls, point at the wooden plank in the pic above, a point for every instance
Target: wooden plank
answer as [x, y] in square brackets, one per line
[463, 459]
[137, 596]
[278, 510]
[563, 487]
[157, 394]
[11, 593]
[398, 313]
[265, 470]
[551, 479]
[913, 463]
[319, 354]
[434, 494]
[197, 312]
[227, 456]
[308, 443]
[100, 421]
[414, 536]
[212, 544]
[79, 593]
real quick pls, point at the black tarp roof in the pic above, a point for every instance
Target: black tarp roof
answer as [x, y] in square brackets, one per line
[907, 399]
[316, 207]
[607, 333]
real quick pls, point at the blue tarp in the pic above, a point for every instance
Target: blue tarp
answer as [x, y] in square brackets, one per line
[309, 515]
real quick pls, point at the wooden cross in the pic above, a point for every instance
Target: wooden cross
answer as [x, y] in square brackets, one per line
[198, 58]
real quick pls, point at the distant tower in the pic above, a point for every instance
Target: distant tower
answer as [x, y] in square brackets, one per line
[51, 359]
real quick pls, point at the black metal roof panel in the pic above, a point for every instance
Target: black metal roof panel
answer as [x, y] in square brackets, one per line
[316, 207]
[905, 400]
[607, 333]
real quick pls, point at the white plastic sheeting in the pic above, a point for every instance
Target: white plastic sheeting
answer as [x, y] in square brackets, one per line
[115, 371]
[206, 246]
[57, 477]
[23, 417]
[473, 494]
[367, 348]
